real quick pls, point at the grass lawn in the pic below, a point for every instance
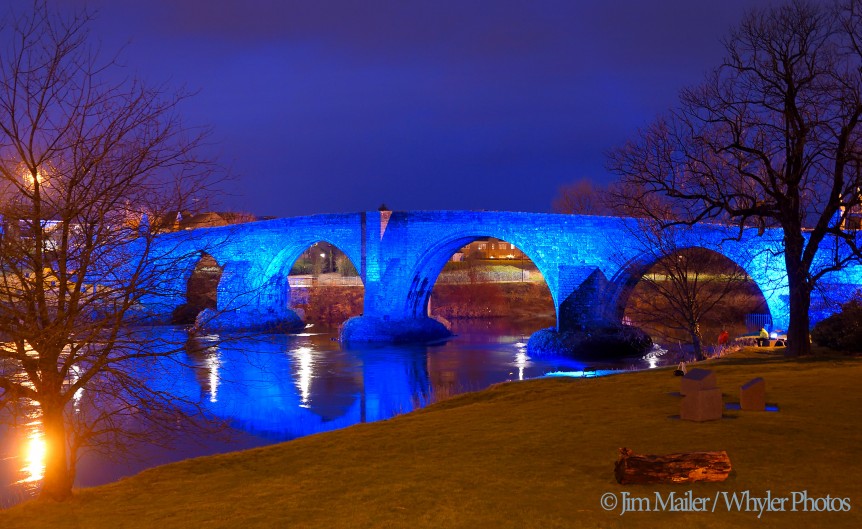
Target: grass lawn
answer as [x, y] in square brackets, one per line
[526, 454]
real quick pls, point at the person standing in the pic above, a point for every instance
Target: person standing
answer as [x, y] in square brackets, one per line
[723, 337]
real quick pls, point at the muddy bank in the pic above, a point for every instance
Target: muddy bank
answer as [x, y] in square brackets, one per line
[330, 306]
[493, 300]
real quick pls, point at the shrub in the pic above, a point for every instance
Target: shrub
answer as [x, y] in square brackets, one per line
[841, 331]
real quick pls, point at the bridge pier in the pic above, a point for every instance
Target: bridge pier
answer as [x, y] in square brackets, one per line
[244, 305]
[383, 329]
[584, 300]
[589, 319]
[395, 309]
[382, 322]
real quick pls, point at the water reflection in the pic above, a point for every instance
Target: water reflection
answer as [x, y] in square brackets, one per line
[33, 469]
[303, 381]
[203, 356]
[279, 387]
[521, 362]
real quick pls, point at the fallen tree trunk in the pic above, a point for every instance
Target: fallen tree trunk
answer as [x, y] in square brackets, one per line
[671, 468]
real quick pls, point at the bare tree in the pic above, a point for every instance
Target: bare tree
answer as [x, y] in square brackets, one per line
[677, 287]
[770, 139]
[581, 197]
[84, 163]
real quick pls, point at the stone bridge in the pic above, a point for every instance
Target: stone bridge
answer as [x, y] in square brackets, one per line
[590, 264]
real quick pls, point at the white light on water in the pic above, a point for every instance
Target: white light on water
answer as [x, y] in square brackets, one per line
[303, 354]
[572, 374]
[653, 355]
[213, 364]
[521, 362]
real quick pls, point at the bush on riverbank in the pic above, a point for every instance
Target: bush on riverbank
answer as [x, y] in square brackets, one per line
[841, 331]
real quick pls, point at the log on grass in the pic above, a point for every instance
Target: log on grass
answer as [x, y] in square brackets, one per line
[671, 468]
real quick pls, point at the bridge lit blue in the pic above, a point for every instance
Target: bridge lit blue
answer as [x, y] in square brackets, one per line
[590, 265]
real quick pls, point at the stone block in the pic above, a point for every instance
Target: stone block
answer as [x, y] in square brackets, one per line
[696, 380]
[702, 405]
[752, 395]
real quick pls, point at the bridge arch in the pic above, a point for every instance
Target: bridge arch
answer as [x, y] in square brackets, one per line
[623, 283]
[274, 282]
[201, 282]
[284, 260]
[171, 303]
[429, 264]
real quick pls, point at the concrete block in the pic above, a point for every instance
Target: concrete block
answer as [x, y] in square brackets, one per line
[752, 395]
[702, 405]
[696, 380]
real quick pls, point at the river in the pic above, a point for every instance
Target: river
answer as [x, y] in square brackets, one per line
[280, 387]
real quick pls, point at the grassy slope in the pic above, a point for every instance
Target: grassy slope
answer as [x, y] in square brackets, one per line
[532, 454]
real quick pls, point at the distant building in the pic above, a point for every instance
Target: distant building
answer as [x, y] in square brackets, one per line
[489, 248]
[185, 220]
[209, 219]
[853, 220]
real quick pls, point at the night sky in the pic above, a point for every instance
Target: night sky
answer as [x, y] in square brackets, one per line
[336, 106]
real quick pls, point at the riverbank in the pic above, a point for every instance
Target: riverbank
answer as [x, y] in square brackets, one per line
[493, 300]
[330, 306]
[531, 454]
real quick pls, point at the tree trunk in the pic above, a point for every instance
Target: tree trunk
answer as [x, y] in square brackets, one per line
[697, 342]
[798, 340]
[798, 337]
[57, 483]
[672, 468]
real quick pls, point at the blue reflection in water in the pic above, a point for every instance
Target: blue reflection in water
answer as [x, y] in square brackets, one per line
[280, 387]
